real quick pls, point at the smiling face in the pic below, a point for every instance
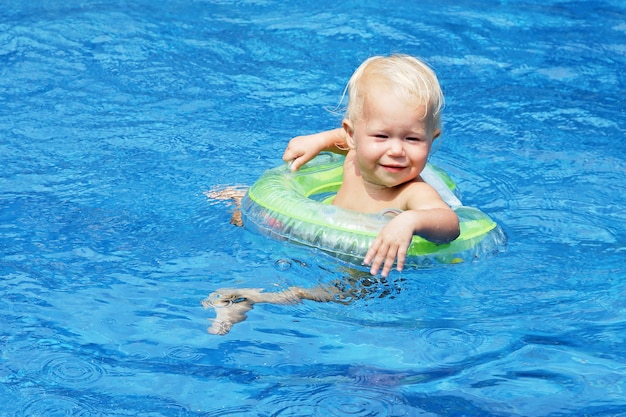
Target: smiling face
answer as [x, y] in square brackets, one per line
[391, 139]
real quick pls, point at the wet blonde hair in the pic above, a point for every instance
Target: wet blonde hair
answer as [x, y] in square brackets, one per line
[407, 76]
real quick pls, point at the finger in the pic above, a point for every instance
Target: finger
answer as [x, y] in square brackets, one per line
[295, 164]
[287, 155]
[401, 258]
[379, 259]
[389, 260]
[371, 252]
[290, 154]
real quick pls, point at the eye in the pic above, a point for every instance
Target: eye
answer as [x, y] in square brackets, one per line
[413, 139]
[381, 136]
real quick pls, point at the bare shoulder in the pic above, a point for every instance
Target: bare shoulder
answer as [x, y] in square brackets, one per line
[421, 195]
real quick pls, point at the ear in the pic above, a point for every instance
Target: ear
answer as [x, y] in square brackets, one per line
[349, 130]
[436, 133]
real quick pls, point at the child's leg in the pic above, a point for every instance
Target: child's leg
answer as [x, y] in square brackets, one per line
[233, 193]
[231, 305]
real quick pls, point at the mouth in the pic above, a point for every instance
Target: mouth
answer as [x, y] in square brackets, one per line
[393, 168]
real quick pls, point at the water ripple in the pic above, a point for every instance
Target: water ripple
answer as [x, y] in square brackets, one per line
[50, 404]
[71, 371]
[441, 343]
[183, 354]
[335, 400]
[243, 410]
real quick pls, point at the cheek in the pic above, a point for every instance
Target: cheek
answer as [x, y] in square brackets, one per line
[366, 158]
[426, 147]
[420, 154]
[369, 151]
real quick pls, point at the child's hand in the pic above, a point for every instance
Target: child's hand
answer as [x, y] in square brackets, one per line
[302, 149]
[391, 243]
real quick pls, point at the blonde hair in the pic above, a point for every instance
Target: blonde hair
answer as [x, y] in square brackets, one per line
[408, 77]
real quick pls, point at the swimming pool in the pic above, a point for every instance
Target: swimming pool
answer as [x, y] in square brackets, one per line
[116, 118]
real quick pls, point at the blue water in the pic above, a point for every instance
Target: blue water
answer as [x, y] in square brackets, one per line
[117, 116]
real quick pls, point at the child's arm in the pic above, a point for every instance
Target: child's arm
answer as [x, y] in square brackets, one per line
[436, 222]
[302, 149]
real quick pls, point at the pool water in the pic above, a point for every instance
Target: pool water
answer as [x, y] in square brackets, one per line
[118, 116]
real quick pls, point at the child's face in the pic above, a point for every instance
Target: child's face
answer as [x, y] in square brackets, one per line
[392, 139]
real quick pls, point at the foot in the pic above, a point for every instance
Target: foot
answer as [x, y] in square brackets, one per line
[231, 306]
[229, 192]
[232, 193]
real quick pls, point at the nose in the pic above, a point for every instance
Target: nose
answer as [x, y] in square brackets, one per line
[396, 147]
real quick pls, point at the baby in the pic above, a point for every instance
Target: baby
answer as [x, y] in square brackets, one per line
[392, 118]
[391, 121]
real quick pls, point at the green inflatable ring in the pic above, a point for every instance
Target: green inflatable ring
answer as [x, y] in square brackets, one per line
[294, 206]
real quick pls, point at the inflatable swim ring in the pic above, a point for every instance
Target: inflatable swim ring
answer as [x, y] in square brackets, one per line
[295, 206]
